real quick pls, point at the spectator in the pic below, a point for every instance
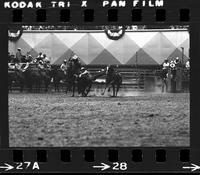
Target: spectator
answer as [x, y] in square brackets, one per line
[165, 64]
[177, 62]
[84, 72]
[187, 64]
[41, 65]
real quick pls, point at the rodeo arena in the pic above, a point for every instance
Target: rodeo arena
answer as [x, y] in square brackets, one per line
[108, 86]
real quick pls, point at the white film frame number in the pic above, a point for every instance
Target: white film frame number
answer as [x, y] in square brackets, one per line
[120, 166]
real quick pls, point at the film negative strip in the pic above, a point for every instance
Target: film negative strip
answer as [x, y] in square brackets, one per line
[99, 86]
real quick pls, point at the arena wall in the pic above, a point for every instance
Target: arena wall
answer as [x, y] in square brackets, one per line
[145, 47]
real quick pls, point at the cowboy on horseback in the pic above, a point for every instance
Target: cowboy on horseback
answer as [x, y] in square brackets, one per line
[18, 55]
[64, 66]
[47, 64]
[39, 57]
[84, 72]
[76, 64]
[114, 79]
[41, 65]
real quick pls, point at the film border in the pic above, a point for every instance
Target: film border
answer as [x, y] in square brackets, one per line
[148, 163]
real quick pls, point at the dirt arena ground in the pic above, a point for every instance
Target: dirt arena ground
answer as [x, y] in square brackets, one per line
[58, 120]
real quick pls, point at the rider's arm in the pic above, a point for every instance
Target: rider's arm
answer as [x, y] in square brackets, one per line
[61, 67]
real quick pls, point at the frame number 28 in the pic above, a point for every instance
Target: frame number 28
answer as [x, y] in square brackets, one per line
[119, 166]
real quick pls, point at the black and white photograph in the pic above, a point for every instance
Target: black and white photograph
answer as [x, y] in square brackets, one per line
[99, 86]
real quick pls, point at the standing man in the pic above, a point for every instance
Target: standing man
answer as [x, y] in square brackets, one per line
[165, 65]
[178, 62]
[178, 75]
[164, 75]
[187, 64]
[19, 55]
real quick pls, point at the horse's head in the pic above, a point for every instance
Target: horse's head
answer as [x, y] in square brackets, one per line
[109, 69]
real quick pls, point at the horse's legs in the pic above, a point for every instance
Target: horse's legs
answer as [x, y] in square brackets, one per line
[54, 86]
[88, 90]
[46, 86]
[105, 89]
[73, 86]
[117, 88]
[67, 88]
[21, 86]
[166, 86]
[162, 85]
[57, 87]
[113, 90]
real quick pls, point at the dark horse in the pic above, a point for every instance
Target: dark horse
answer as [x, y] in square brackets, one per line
[73, 72]
[57, 76]
[84, 83]
[17, 76]
[11, 79]
[20, 78]
[45, 75]
[114, 79]
[33, 79]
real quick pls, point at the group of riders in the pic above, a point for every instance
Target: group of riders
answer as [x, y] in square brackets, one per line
[73, 73]
[43, 63]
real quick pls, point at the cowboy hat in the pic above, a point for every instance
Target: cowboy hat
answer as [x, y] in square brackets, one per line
[75, 57]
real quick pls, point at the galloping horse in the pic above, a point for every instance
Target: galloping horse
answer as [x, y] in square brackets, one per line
[113, 79]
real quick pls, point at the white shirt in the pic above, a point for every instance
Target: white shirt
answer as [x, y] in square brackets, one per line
[63, 67]
[187, 64]
[165, 65]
